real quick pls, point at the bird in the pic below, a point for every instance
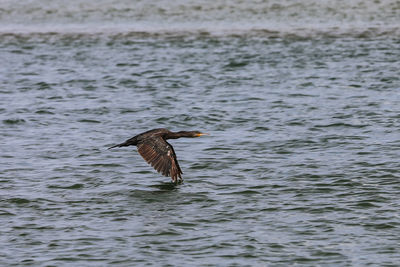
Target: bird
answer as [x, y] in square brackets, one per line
[154, 148]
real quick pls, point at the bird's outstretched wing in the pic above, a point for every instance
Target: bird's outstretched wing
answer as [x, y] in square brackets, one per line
[161, 155]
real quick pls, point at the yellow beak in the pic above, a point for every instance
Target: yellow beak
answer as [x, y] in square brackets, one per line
[200, 134]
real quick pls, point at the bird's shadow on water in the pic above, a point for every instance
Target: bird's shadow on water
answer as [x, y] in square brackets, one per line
[164, 192]
[166, 186]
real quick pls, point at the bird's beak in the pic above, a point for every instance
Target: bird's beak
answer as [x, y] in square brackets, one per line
[200, 134]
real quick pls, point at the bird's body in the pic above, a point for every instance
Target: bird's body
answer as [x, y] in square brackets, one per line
[154, 148]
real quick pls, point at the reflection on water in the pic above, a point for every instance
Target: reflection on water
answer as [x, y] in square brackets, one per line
[165, 187]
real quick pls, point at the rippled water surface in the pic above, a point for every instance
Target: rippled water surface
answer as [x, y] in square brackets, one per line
[301, 167]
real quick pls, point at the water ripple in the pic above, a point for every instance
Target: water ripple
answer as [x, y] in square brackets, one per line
[301, 167]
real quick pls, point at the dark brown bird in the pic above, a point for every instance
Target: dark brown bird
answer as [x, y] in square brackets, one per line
[154, 148]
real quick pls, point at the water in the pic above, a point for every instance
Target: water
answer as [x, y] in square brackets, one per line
[302, 104]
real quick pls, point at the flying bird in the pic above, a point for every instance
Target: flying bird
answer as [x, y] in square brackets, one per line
[154, 148]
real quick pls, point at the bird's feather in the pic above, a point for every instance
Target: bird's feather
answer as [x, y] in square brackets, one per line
[161, 155]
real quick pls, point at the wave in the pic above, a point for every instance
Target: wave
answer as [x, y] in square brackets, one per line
[272, 18]
[123, 30]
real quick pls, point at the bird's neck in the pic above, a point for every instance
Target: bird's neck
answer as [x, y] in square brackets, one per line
[176, 135]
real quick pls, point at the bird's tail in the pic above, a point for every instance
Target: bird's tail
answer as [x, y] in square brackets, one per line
[120, 145]
[130, 142]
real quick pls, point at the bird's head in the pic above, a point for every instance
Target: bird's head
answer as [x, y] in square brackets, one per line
[198, 134]
[190, 134]
[180, 134]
